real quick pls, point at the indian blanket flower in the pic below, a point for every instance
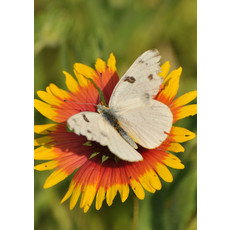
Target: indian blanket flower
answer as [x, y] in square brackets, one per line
[97, 175]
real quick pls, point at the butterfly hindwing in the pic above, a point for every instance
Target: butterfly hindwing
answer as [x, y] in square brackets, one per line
[147, 124]
[96, 128]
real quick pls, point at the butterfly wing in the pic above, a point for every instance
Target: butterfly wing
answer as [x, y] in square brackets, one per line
[147, 124]
[96, 128]
[147, 121]
[139, 82]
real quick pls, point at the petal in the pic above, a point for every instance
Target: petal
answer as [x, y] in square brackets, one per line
[181, 134]
[175, 147]
[83, 72]
[75, 196]
[82, 81]
[87, 197]
[48, 90]
[69, 192]
[137, 188]
[100, 197]
[55, 177]
[172, 161]
[60, 93]
[70, 83]
[164, 69]
[43, 153]
[42, 140]
[111, 63]
[46, 166]
[145, 182]
[45, 109]
[186, 111]
[184, 99]
[49, 98]
[163, 172]
[171, 86]
[45, 129]
[153, 180]
[100, 65]
[111, 193]
[124, 192]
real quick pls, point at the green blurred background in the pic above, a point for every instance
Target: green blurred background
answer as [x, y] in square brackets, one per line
[69, 31]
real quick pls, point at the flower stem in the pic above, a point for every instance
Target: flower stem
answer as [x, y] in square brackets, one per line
[135, 212]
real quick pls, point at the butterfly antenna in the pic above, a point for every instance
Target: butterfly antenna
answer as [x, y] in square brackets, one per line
[99, 98]
[81, 103]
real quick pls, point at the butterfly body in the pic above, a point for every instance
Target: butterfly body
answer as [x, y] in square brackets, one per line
[111, 118]
[133, 115]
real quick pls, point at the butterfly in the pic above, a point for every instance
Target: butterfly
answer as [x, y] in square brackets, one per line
[132, 116]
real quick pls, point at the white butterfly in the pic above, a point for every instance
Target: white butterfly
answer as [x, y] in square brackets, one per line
[133, 116]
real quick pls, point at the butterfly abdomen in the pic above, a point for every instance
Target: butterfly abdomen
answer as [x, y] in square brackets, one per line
[126, 137]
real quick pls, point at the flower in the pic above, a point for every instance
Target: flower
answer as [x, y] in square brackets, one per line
[98, 176]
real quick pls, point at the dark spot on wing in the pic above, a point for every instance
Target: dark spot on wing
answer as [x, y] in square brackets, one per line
[141, 61]
[130, 79]
[85, 118]
[103, 134]
[146, 95]
[155, 52]
[89, 131]
[150, 77]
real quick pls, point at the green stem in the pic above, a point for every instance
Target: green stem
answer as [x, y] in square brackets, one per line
[135, 212]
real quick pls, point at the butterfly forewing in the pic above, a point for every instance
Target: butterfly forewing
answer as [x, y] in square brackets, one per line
[141, 81]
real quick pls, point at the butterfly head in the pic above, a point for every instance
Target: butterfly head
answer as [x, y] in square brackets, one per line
[101, 108]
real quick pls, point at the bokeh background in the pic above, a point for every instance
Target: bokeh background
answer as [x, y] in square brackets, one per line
[69, 31]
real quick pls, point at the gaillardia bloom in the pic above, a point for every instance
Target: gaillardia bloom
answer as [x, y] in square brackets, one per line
[97, 173]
